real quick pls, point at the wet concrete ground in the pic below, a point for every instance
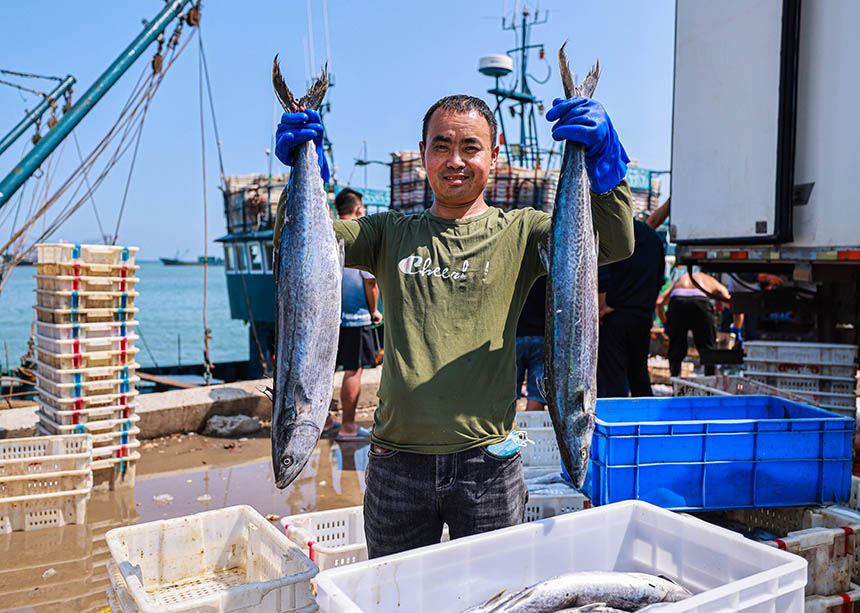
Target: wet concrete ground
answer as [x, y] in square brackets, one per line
[62, 569]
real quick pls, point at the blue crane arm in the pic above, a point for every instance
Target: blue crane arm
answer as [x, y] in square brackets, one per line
[67, 123]
[33, 115]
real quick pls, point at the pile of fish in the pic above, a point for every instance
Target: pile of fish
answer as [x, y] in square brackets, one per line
[550, 484]
[592, 591]
[308, 267]
[571, 301]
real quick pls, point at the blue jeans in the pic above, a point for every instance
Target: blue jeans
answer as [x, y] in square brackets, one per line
[409, 496]
[530, 358]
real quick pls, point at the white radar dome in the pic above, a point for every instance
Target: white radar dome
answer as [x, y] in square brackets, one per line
[496, 65]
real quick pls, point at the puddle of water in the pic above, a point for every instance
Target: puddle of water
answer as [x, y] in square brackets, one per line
[63, 569]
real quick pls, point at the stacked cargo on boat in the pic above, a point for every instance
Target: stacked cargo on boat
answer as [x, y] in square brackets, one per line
[85, 333]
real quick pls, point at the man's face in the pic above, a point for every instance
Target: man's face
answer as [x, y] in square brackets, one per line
[458, 156]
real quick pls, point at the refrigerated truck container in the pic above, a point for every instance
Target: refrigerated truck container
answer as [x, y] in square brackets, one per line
[766, 153]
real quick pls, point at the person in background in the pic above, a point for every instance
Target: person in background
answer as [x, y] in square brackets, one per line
[356, 347]
[627, 295]
[690, 309]
[530, 329]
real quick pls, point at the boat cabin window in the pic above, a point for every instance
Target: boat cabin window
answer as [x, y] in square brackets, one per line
[270, 256]
[229, 259]
[241, 257]
[256, 256]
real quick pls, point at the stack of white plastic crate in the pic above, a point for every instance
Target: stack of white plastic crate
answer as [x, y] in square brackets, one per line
[541, 457]
[86, 355]
[44, 482]
[822, 374]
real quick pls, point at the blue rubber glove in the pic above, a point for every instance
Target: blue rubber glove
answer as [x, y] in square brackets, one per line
[298, 128]
[585, 121]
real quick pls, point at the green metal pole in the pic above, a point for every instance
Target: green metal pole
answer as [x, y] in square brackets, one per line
[33, 115]
[67, 123]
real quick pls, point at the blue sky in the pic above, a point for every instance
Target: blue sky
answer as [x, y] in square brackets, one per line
[390, 60]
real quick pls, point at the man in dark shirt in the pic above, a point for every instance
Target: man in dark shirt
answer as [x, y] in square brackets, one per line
[530, 328]
[627, 292]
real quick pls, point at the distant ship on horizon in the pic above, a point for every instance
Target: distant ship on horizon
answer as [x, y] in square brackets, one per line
[211, 261]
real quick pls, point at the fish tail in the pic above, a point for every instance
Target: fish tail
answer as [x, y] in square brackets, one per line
[311, 100]
[587, 87]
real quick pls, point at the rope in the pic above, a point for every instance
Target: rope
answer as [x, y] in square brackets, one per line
[28, 75]
[145, 344]
[89, 188]
[207, 333]
[130, 171]
[212, 109]
[22, 88]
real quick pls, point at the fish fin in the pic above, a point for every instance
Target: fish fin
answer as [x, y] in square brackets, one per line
[587, 87]
[541, 385]
[268, 392]
[564, 70]
[311, 100]
[282, 92]
[543, 252]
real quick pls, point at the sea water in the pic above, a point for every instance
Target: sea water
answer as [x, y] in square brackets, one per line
[170, 317]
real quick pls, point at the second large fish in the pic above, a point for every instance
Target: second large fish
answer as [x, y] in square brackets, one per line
[308, 269]
[571, 301]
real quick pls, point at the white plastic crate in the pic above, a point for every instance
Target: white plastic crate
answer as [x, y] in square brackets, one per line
[533, 419]
[77, 268]
[115, 443]
[55, 283]
[44, 454]
[70, 332]
[829, 553]
[118, 596]
[103, 430]
[809, 369]
[41, 499]
[727, 385]
[836, 402]
[332, 538]
[97, 387]
[74, 418]
[542, 450]
[821, 353]
[86, 402]
[566, 500]
[83, 316]
[805, 383]
[68, 253]
[837, 603]
[95, 359]
[85, 300]
[216, 561]
[725, 571]
[84, 375]
[86, 345]
[530, 472]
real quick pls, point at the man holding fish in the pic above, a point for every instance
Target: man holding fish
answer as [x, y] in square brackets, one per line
[453, 280]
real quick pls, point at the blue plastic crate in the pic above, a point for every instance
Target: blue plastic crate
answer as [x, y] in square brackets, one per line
[719, 452]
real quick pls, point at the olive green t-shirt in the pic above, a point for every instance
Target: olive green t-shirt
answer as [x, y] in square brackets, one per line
[453, 290]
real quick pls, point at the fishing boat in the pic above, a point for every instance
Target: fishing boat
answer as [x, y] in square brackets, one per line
[211, 261]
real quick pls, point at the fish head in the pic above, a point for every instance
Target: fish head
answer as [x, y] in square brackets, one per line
[292, 446]
[582, 432]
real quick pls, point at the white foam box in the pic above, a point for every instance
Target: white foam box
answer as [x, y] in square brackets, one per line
[224, 560]
[726, 572]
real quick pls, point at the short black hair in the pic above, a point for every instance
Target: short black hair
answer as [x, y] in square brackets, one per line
[346, 201]
[461, 103]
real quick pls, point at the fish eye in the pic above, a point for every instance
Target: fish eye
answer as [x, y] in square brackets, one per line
[287, 462]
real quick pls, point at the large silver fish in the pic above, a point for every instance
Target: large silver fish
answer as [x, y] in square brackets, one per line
[570, 353]
[600, 590]
[308, 269]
